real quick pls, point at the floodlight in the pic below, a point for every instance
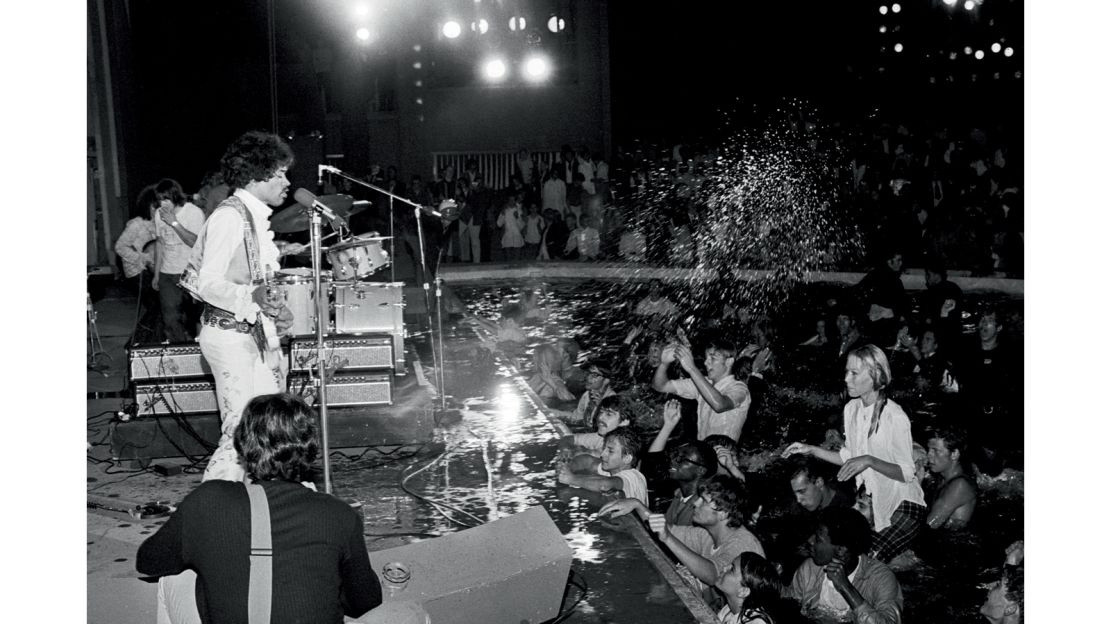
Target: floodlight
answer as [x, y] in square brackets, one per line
[996, 47]
[451, 29]
[481, 26]
[536, 68]
[882, 10]
[363, 34]
[556, 24]
[494, 69]
[1008, 51]
[979, 54]
[897, 47]
[897, 8]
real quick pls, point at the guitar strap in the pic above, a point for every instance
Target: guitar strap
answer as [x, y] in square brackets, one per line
[260, 587]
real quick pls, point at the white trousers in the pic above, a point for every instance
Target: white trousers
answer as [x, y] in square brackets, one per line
[240, 376]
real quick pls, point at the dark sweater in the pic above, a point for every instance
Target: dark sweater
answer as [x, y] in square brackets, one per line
[321, 569]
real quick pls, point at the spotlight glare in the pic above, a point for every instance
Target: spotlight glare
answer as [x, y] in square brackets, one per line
[1008, 52]
[897, 47]
[967, 49]
[536, 68]
[517, 23]
[556, 24]
[882, 29]
[950, 2]
[952, 56]
[882, 10]
[481, 26]
[969, 5]
[494, 69]
[451, 29]
[363, 34]
[897, 8]
[996, 47]
[362, 10]
[979, 54]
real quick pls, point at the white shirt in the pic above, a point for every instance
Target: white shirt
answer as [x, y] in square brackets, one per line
[831, 600]
[224, 276]
[891, 443]
[174, 253]
[129, 245]
[729, 422]
[633, 483]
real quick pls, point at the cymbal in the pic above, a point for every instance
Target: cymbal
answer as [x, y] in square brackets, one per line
[296, 218]
[292, 219]
[343, 205]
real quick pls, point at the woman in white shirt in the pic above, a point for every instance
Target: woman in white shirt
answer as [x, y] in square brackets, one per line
[877, 453]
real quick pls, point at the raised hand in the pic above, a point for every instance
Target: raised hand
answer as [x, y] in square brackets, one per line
[798, 448]
[672, 413]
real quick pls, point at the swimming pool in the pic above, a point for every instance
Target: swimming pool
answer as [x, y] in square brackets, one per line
[494, 456]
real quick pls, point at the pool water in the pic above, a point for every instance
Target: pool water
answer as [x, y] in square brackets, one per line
[494, 455]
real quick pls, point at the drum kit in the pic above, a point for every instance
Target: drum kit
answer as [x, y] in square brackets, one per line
[355, 304]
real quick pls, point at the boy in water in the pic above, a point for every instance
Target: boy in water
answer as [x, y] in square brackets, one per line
[616, 472]
[583, 450]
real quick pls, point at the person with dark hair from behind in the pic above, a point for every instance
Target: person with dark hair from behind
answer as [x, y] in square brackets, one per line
[320, 566]
[719, 534]
[840, 581]
[177, 222]
[953, 503]
[751, 587]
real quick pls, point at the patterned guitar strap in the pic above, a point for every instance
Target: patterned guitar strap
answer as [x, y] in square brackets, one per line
[250, 243]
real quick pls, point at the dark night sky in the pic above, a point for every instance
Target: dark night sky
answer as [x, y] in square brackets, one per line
[672, 65]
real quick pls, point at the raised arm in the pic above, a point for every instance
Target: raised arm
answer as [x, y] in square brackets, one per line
[719, 402]
[672, 414]
[660, 381]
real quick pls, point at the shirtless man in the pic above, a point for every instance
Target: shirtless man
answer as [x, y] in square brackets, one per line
[955, 499]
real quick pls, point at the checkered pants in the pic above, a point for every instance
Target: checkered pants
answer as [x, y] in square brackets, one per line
[908, 520]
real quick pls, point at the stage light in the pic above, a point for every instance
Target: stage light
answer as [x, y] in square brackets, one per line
[979, 54]
[882, 29]
[882, 10]
[996, 47]
[363, 34]
[897, 47]
[897, 8]
[1008, 52]
[967, 50]
[417, 65]
[451, 29]
[952, 56]
[969, 5]
[556, 24]
[362, 10]
[950, 2]
[494, 69]
[481, 26]
[516, 23]
[536, 68]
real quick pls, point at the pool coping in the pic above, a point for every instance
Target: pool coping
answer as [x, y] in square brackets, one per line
[914, 279]
[690, 598]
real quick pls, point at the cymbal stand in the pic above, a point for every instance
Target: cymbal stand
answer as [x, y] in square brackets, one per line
[96, 347]
[417, 209]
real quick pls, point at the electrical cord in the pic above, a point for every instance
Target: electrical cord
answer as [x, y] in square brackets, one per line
[583, 591]
[436, 504]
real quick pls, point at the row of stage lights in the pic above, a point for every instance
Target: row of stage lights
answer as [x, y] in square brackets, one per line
[534, 69]
[452, 29]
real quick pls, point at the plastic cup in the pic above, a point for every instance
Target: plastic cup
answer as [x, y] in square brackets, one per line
[396, 576]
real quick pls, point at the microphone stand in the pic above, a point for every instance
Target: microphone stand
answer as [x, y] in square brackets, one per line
[321, 319]
[417, 210]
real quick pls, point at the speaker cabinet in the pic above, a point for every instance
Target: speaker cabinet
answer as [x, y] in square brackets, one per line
[344, 353]
[514, 569]
[347, 389]
[167, 361]
[176, 398]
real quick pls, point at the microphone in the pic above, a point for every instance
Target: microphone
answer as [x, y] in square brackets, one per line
[308, 200]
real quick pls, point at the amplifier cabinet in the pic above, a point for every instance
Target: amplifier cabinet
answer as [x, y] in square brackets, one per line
[167, 361]
[344, 353]
[176, 398]
[347, 389]
[372, 308]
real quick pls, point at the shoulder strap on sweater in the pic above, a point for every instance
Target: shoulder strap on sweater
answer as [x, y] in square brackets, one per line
[262, 557]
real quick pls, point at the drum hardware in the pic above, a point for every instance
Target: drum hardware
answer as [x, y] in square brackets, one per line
[417, 210]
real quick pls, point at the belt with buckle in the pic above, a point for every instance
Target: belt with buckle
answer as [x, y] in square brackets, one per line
[222, 319]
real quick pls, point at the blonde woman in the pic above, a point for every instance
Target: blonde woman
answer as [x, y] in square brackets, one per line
[877, 453]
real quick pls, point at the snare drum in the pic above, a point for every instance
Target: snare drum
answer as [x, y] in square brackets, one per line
[297, 286]
[372, 308]
[357, 257]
